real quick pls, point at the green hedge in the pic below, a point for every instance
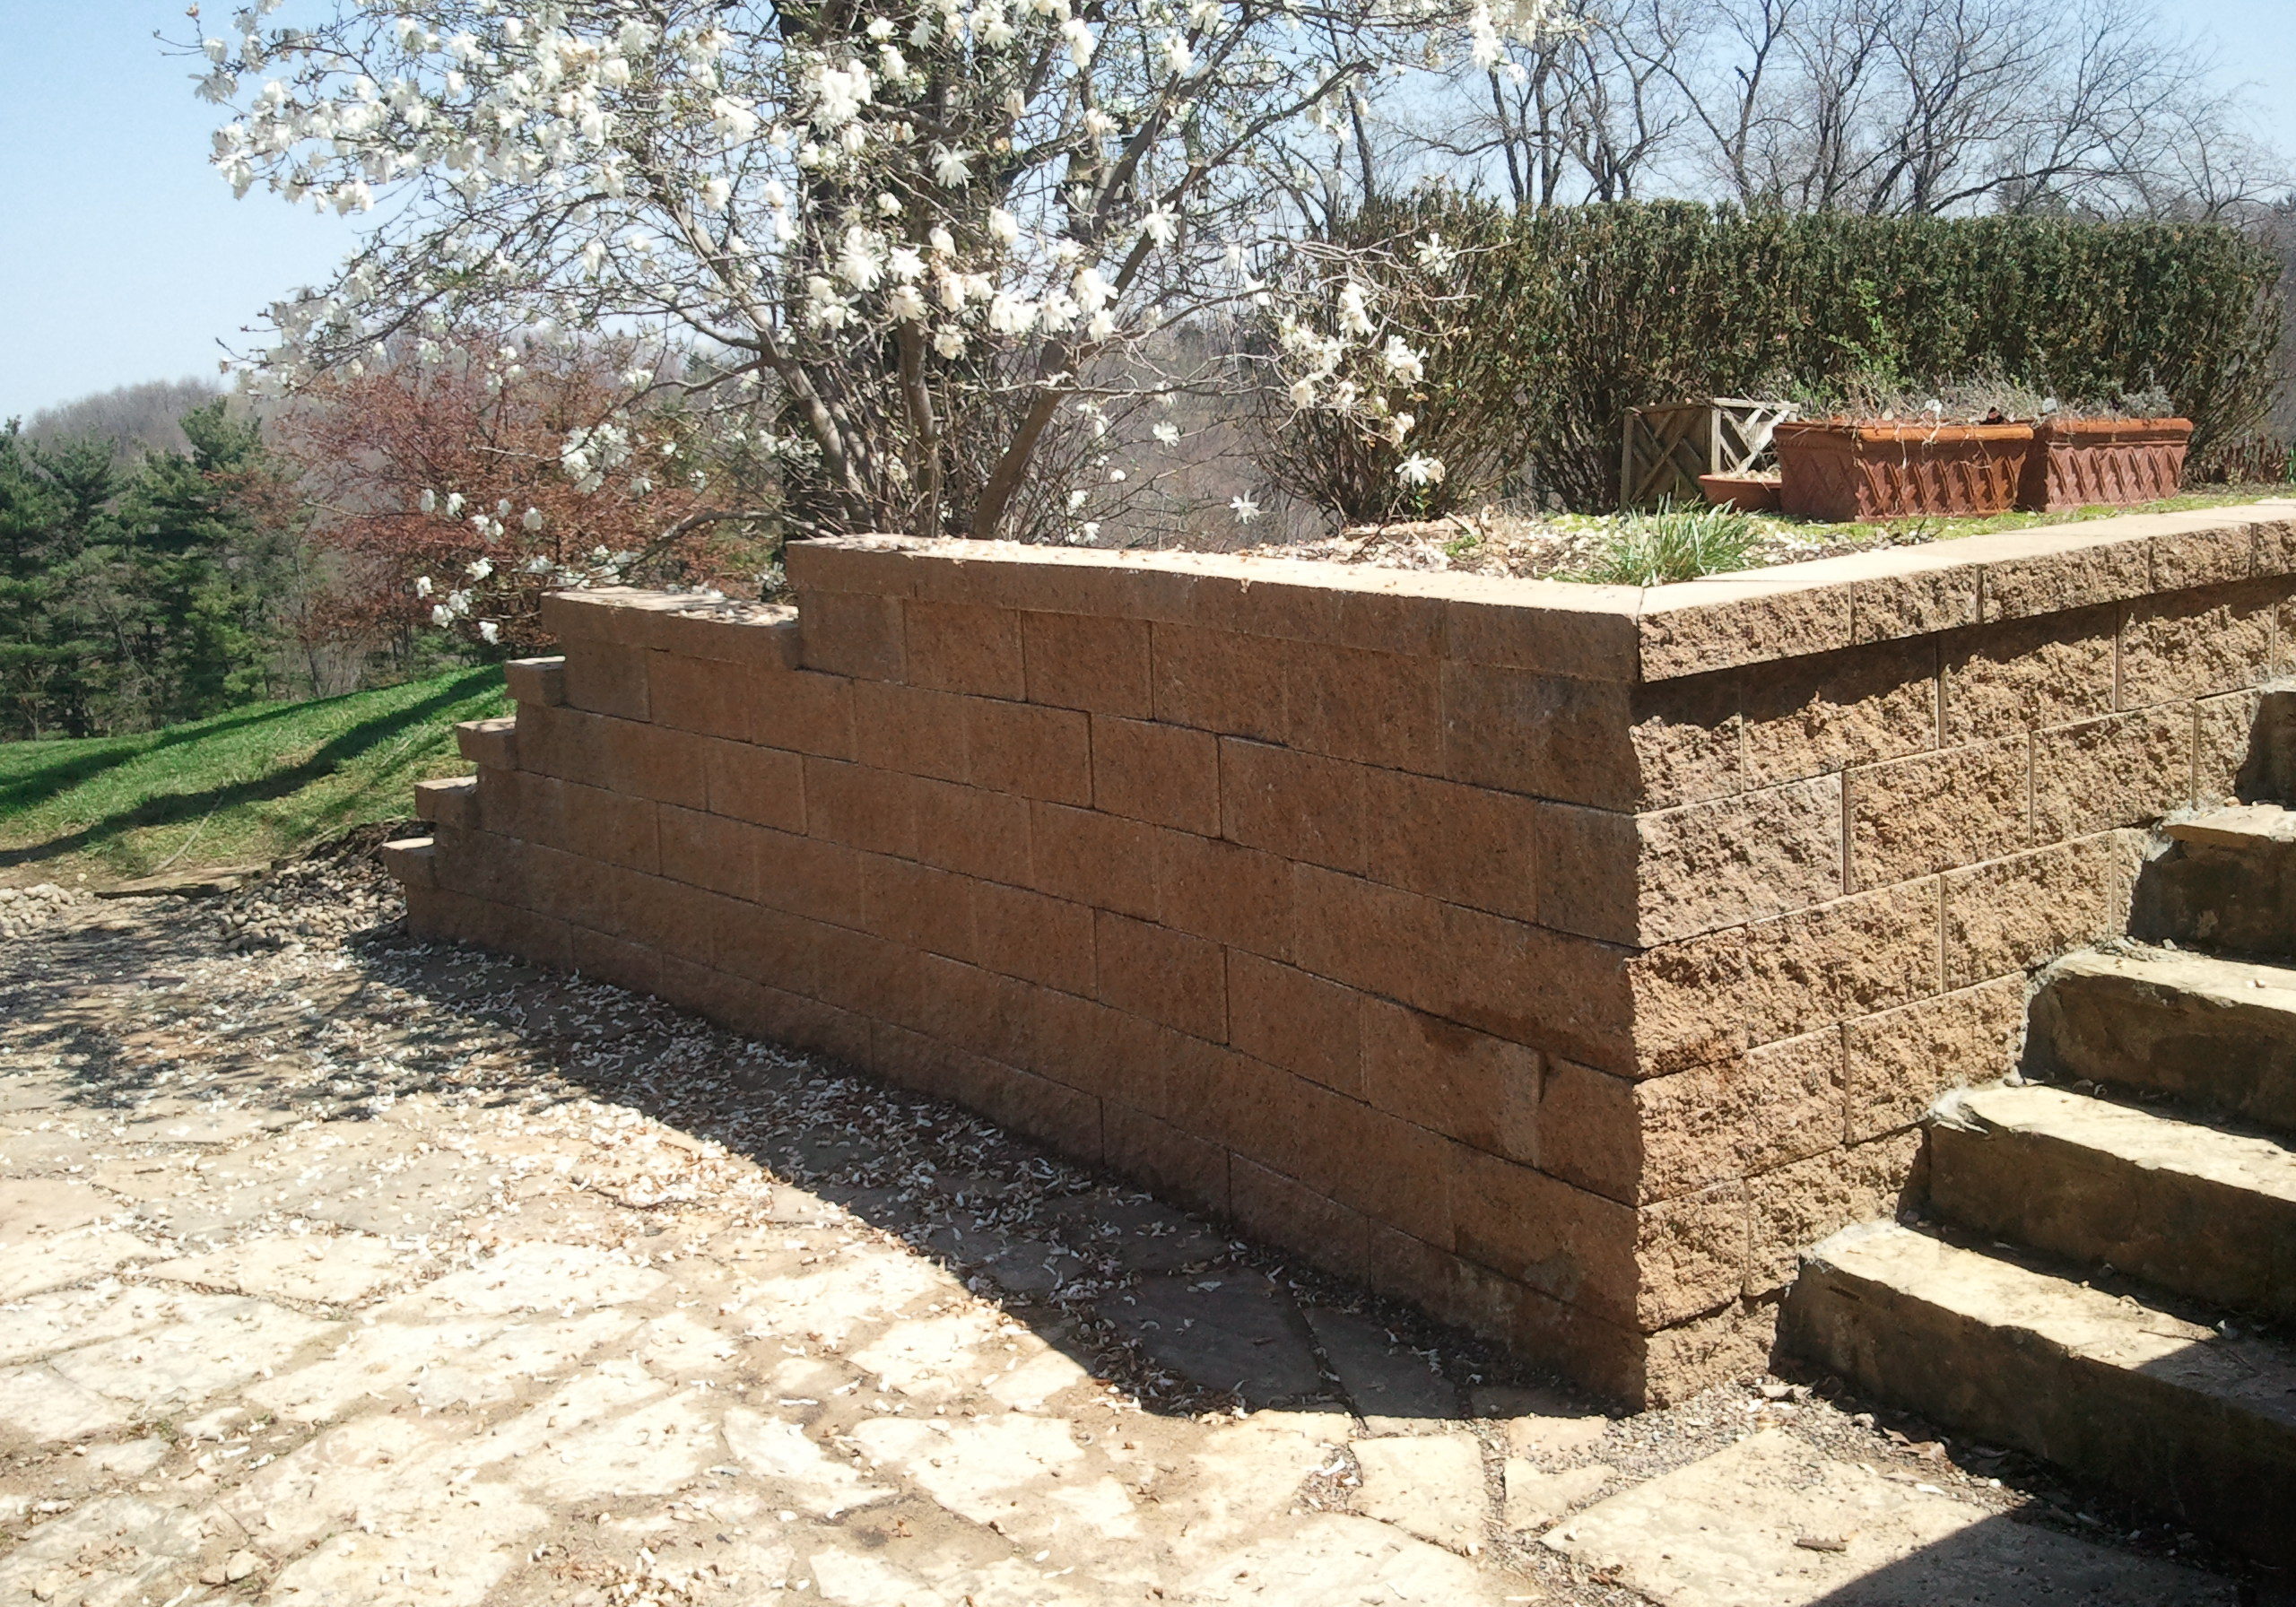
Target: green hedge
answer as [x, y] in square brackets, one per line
[1594, 310]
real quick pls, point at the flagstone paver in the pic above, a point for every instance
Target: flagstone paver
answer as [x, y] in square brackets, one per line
[365, 1273]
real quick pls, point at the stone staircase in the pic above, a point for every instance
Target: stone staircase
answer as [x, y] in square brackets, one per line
[2105, 1276]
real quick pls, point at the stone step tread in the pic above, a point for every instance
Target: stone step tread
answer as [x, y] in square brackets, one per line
[2249, 1374]
[2236, 826]
[2141, 1139]
[2267, 982]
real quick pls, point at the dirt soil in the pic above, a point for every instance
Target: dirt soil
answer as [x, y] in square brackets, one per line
[1563, 544]
[341, 1269]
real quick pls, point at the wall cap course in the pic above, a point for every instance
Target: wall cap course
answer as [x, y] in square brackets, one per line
[1595, 632]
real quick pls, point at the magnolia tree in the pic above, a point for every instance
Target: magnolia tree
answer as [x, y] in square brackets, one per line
[927, 251]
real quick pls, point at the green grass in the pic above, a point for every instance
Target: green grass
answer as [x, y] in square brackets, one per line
[254, 784]
[1678, 541]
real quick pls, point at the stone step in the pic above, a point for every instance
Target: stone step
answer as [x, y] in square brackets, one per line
[2180, 1204]
[2228, 881]
[2211, 1033]
[2197, 1424]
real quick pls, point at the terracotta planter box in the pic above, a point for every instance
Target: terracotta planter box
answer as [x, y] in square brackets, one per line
[2115, 462]
[1741, 494]
[1876, 471]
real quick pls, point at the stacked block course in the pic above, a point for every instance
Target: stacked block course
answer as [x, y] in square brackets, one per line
[1565, 959]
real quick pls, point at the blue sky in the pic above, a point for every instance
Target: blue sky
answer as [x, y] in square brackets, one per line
[123, 257]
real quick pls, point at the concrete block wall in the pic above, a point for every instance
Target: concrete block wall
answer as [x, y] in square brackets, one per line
[1563, 958]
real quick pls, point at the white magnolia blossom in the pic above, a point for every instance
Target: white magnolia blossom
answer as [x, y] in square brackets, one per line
[929, 219]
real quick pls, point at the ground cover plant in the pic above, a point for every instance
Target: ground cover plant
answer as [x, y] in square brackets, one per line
[248, 784]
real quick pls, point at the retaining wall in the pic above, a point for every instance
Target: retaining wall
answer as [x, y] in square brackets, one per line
[1563, 958]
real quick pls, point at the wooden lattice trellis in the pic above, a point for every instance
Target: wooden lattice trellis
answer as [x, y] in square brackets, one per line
[1667, 448]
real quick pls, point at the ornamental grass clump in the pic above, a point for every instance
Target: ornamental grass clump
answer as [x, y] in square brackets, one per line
[1675, 543]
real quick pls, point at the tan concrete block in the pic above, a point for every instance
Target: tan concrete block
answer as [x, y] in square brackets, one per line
[1230, 894]
[1097, 859]
[861, 807]
[1587, 631]
[865, 974]
[732, 630]
[413, 862]
[2000, 679]
[556, 740]
[982, 1012]
[608, 678]
[763, 785]
[1589, 868]
[2191, 644]
[852, 633]
[1169, 1161]
[538, 680]
[1708, 998]
[810, 876]
[966, 828]
[707, 850]
[1452, 1080]
[1664, 1137]
[1148, 771]
[1300, 1022]
[521, 805]
[494, 743]
[1739, 859]
[1691, 1253]
[1517, 981]
[2012, 913]
[2199, 558]
[1165, 975]
[1899, 1062]
[1031, 751]
[1059, 1117]
[767, 946]
[1300, 805]
[805, 712]
[1914, 817]
[1295, 1218]
[1376, 708]
[1395, 1172]
[1640, 1269]
[1792, 1208]
[1467, 844]
[650, 761]
[1686, 742]
[965, 648]
[2066, 573]
[1713, 624]
[1077, 661]
[451, 801]
[701, 695]
[1116, 1055]
[913, 729]
[1033, 936]
[920, 906]
[1519, 731]
[1809, 716]
[852, 564]
[1217, 681]
[1732, 1345]
[2224, 730]
[2125, 770]
[612, 827]
[610, 959]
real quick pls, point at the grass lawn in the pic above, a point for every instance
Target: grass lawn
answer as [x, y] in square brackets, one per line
[251, 784]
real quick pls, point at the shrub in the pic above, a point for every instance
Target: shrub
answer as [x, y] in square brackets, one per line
[1585, 312]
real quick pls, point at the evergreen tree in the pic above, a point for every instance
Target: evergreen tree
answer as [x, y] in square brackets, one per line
[60, 653]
